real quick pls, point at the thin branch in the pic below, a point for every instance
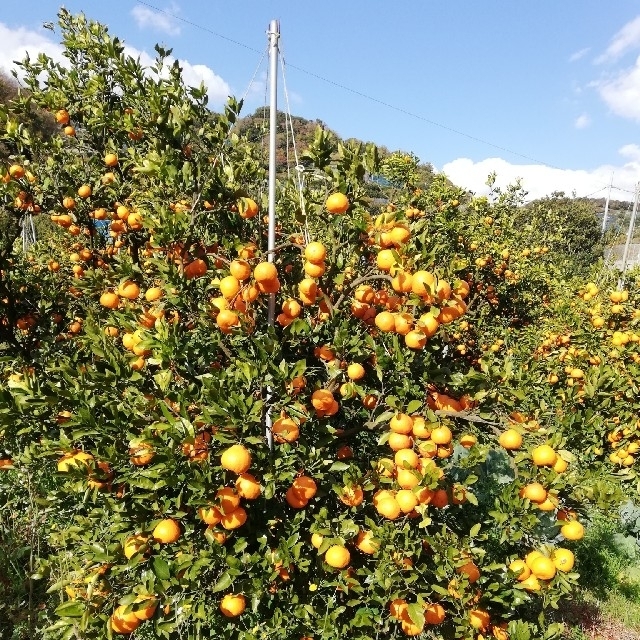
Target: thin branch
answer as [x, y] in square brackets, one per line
[360, 280]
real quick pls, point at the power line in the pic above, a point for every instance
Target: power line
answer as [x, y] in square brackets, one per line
[365, 95]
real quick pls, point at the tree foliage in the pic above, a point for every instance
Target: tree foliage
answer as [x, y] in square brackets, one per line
[144, 380]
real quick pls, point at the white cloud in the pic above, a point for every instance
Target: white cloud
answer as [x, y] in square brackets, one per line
[577, 55]
[541, 180]
[582, 121]
[193, 74]
[627, 39]
[16, 43]
[147, 18]
[621, 92]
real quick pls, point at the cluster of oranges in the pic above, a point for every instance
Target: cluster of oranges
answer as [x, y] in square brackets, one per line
[537, 566]
[224, 510]
[544, 457]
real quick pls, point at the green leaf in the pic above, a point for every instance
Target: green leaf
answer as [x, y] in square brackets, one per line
[161, 568]
[71, 609]
[224, 582]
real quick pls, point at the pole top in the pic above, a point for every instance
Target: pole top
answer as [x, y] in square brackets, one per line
[274, 28]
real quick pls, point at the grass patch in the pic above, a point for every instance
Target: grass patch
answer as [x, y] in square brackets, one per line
[608, 606]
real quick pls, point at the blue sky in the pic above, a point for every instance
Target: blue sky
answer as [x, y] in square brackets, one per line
[546, 91]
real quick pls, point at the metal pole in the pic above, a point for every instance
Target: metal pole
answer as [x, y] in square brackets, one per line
[274, 37]
[627, 244]
[606, 206]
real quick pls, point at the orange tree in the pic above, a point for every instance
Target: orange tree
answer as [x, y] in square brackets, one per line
[142, 376]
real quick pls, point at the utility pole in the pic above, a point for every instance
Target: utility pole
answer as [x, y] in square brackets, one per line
[627, 245]
[274, 38]
[28, 233]
[606, 206]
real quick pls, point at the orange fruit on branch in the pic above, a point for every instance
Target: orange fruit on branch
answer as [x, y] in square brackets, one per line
[337, 203]
[236, 459]
[167, 531]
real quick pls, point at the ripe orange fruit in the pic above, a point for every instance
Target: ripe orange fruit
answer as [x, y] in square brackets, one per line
[406, 459]
[441, 435]
[84, 191]
[141, 454]
[305, 487]
[69, 131]
[531, 583]
[399, 235]
[167, 531]
[17, 171]
[534, 492]
[388, 507]
[563, 559]
[265, 272]
[153, 293]
[440, 499]
[366, 543]
[337, 556]
[521, 569]
[226, 320]
[531, 556]
[543, 568]
[415, 339]
[401, 282]
[407, 478]
[385, 321]
[407, 500]
[428, 324]
[355, 371]
[228, 499]
[315, 252]
[434, 613]
[352, 496]
[468, 440]
[337, 203]
[560, 465]
[240, 269]
[110, 300]
[229, 287]
[232, 605]
[248, 208]
[470, 570]
[398, 441]
[385, 260]
[423, 283]
[111, 160]
[248, 486]
[479, 619]
[144, 607]
[210, 515]
[420, 428]
[294, 499]
[544, 456]
[123, 622]
[397, 608]
[510, 440]
[195, 269]
[401, 423]
[133, 545]
[129, 290]
[314, 270]
[234, 519]
[308, 290]
[62, 116]
[285, 430]
[236, 459]
[572, 530]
